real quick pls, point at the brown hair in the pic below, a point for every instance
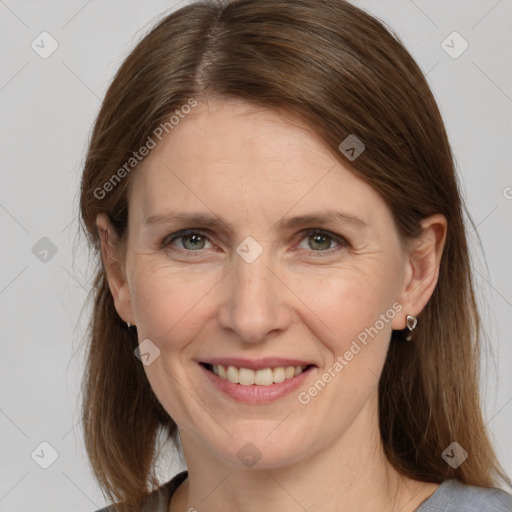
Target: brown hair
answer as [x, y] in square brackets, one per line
[340, 71]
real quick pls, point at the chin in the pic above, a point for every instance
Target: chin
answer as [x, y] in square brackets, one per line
[258, 444]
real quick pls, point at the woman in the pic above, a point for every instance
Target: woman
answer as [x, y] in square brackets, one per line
[284, 280]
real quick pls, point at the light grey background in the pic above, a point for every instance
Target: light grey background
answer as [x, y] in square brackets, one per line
[47, 107]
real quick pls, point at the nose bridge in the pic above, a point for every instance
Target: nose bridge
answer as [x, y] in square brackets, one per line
[253, 306]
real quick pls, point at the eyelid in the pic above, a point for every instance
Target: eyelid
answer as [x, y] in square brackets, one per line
[341, 240]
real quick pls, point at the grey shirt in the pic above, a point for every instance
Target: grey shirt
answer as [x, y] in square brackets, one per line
[450, 496]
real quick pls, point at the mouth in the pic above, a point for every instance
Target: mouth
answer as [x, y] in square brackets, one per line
[261, 384]
[250, 377]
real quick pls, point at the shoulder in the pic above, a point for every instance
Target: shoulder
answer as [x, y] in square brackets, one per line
[454, 496]
[159, 499]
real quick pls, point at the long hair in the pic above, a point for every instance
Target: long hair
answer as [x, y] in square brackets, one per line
[342, 72]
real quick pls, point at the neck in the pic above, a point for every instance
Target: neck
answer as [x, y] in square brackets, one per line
[348, 473]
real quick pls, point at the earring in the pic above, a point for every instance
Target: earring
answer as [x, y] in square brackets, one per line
[411, 324]
[129, 324]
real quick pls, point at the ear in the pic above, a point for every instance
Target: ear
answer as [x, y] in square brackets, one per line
[114, 268]
[421, 271]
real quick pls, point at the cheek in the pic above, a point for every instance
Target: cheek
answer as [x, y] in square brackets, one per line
[169, 306]
[166, 300]
[355, 328]
[355, 313]
[348, 304]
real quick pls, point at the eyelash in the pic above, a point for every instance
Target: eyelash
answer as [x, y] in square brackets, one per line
[306, 233]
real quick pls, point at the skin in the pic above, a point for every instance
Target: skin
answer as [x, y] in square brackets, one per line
[195, 300]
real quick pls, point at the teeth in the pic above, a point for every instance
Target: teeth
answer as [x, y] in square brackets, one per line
[233, 375]
[245, 376]
[263, 377]
[278, 374]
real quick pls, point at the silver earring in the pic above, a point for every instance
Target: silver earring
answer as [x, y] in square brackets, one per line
[411, 324]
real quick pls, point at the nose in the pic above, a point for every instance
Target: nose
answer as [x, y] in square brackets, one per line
[255, 303]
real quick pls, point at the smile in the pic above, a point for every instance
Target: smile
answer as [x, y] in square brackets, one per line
[249, 377]
[255, 386]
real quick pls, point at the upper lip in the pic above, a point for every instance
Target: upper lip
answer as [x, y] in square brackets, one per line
[256, 364]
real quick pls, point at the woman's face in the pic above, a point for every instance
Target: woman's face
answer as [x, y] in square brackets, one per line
[259, 289]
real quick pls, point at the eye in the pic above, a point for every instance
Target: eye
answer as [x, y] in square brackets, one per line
[319, 241]
[191, 240]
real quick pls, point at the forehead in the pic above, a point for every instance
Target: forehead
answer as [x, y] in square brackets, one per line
[231, 156]
[232, 131]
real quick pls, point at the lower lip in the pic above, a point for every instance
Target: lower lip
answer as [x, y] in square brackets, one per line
[255, 394]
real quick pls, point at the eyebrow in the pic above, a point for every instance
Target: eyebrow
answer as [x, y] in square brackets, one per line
[215, 222]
